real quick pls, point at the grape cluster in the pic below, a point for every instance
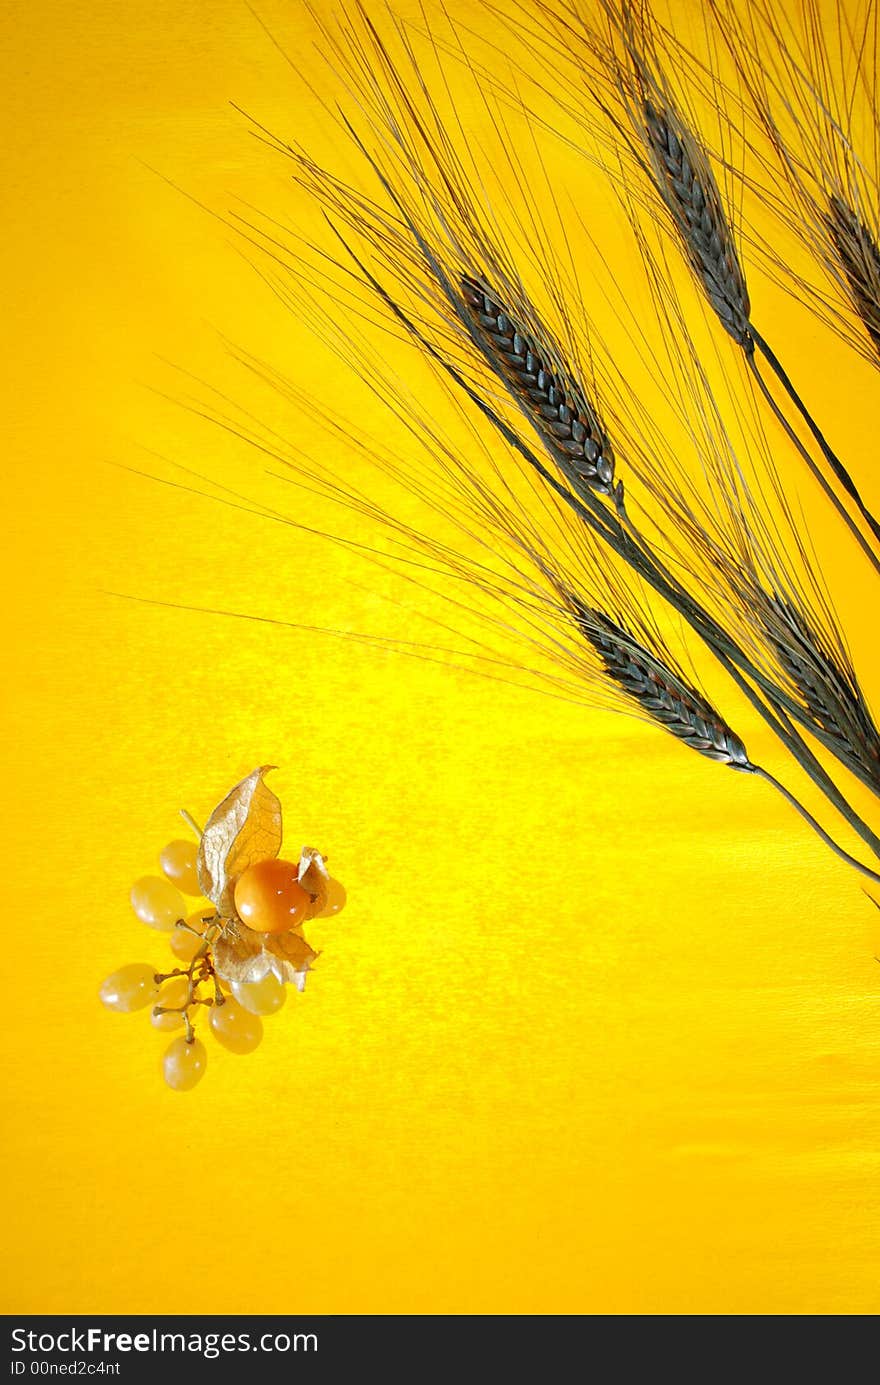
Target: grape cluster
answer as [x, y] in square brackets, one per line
[269, 899]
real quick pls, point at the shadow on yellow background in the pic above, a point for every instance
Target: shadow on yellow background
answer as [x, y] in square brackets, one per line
[598, 1030]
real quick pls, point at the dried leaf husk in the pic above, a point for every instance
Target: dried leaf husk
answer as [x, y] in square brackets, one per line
[243, 829]
[242, 954]
[314, 876]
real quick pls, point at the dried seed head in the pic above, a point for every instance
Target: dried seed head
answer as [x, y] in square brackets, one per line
[687, 185]
[827, 690]
[859, 262]
[661, 692]
[570, 429]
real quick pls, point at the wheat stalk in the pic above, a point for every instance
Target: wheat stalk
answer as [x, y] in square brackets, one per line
[825, 697]
[687, 186]
[618, 533]
[437, 265]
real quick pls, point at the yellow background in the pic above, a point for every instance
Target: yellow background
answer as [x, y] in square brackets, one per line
[598, 1031]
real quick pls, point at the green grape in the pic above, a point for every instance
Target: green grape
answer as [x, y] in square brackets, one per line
[172, 995]
[236, 1028]
[130, 988]
[157, 903]
[334, 899]
[179, 862]
[183, 1064]
[260, 997]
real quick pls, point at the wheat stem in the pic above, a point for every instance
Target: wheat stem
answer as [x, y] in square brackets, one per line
[732, 658]
[838, 504]
[832, 459]
[573, 434]
[740, 669]
[817, 828]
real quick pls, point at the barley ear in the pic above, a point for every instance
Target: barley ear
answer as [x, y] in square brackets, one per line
[688, 188]
[662, 693]
[556, 406]
[860, 264]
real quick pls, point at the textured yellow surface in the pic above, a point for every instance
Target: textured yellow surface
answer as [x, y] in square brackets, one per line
[600, 1028]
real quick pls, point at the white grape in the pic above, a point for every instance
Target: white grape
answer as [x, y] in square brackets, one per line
[183, 1064]
[130, 988]
[157, 903]
[260, 997]
[236, 1028]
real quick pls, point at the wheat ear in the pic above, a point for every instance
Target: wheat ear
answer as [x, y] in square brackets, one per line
[860, 261]
[660, 692]
[568, 425]
[667, 699]
[687, 185]
[828, 691]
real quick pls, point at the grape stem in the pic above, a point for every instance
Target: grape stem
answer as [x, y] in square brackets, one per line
[182, 923]
[191, 822]
[161, 976]
[202, 960]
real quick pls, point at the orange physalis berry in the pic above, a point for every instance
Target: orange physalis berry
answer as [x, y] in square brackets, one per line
[269, 897]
